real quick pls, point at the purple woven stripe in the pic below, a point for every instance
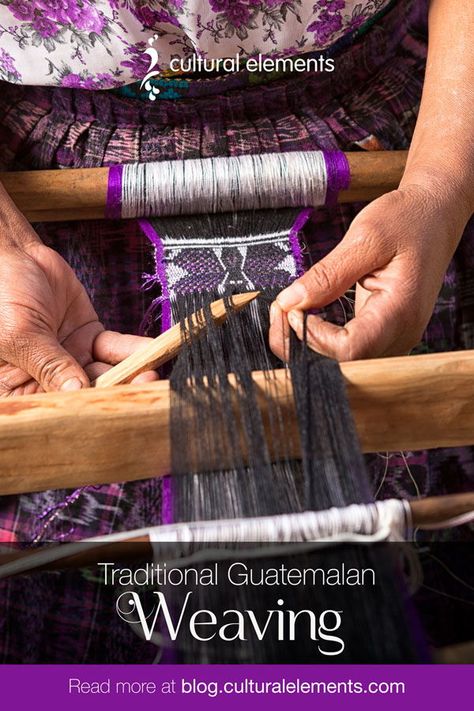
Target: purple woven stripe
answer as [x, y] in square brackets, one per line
[168, 654]
[294, 239]
[166, 501]
[338, 174]
[160, 275]
[113, 208]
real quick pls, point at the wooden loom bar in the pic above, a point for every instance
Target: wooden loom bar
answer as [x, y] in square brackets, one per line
[57, 440]
[81, 193]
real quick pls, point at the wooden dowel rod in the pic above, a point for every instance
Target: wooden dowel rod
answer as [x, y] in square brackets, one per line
[81, 193]
[434, 510]
[72, 189]
[373, 173]
[58, 440]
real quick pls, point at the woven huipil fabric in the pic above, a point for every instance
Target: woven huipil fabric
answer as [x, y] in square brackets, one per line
[370, 103]
[99, 44]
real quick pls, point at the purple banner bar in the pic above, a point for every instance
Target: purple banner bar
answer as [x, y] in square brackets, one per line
[179, 687]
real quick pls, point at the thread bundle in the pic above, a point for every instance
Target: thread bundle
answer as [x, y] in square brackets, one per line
[226, 184]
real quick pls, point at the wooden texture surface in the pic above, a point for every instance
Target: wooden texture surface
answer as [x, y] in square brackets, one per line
[434, 510]
[81, 193]
[57, 440]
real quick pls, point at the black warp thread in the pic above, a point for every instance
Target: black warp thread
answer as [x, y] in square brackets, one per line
[211, 428]
[334, 469]
[204, 427]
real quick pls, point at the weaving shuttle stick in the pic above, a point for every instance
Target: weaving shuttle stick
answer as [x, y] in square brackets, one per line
[168, 344]
[81, 193]
[98, 436]
[427, 512]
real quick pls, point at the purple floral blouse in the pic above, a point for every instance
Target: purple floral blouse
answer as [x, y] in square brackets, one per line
[99, 44]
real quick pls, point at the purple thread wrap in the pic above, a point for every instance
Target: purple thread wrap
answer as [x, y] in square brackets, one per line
[113, 207]
[294, 239]
[338, 175]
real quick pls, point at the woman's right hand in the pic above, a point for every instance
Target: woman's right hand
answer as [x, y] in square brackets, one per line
[50, 335]
[396, 251]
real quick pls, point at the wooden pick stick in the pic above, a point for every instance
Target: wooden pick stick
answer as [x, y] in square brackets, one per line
[167, 346]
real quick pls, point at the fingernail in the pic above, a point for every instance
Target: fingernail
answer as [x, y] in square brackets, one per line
[72, 384]
[273, 312]
[292, 296]
[295, 319]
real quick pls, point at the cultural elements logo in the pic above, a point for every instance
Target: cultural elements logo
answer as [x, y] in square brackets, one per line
[153, 70]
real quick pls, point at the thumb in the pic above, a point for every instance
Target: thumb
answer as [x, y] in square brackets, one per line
[329, 278]
[52, 366]
[377, 330]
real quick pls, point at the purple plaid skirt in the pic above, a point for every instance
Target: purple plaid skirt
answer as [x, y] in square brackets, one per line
[369, 103]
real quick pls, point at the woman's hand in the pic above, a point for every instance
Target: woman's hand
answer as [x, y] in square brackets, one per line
[397, 251]
[50, 335]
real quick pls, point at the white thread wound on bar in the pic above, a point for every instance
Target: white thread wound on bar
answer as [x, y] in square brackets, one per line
[224, 184]
[383, 519]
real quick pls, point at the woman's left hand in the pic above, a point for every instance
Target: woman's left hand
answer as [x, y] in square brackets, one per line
[50, 335]
[397, 251]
